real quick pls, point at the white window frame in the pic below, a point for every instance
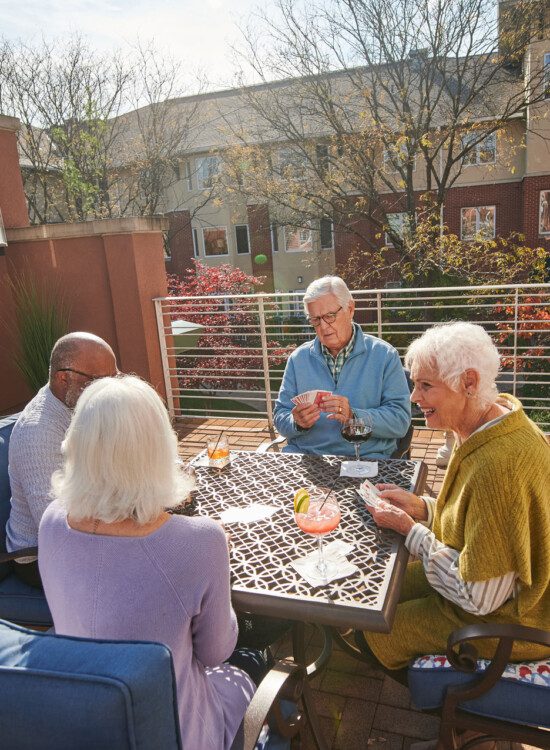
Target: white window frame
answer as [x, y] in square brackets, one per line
[295, 159]
[331, 246]
[477, 209]
[274, 232]
[389, 167]
[544, 213]
[298, 229]
[195, 235]
[215, 229]
[188, 175]
[399, 230]
[206, 181]
[248, 239]
[473, 157]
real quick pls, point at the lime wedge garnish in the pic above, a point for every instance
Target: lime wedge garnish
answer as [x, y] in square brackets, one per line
[301, 501]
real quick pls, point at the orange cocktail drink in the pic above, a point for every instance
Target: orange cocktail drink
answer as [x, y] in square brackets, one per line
[218, 452]
[319, 520]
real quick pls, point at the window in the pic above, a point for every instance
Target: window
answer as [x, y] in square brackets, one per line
[298, 239]
[166, 244]
[546, 82]
[322, 156]
[544, 212]
[396, 155]
[477, 222]
[484, 152]
[274, 237]
[195, 243]
[326, 230]
[177, 172]
[243, 239]
[188, 175]
[399, 225]
[292, 163]
[215, 241]
[207, 169]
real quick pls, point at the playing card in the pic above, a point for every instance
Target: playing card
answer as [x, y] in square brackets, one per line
[310, 397]
[369, 493]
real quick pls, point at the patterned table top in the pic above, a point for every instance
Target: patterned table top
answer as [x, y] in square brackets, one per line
[263, 580]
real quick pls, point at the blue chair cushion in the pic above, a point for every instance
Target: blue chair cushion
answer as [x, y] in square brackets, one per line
[522, 695]
[61, 693]
[23, 604]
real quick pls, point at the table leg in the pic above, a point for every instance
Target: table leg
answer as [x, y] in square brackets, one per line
[299, 652]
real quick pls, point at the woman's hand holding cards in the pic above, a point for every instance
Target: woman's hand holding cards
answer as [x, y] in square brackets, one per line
[413, 505]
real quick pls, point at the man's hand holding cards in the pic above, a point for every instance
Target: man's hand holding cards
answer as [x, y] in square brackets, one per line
[310, 397]
[308, 407]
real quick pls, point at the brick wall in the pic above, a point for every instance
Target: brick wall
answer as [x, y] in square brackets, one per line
[507, 197]
[180, 239]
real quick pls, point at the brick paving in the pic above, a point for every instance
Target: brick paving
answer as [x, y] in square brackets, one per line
[359, 707]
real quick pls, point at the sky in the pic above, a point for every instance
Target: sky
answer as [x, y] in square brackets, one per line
[197, 32]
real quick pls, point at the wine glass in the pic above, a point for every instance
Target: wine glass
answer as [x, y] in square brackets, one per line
[356, 431]
[321, 516]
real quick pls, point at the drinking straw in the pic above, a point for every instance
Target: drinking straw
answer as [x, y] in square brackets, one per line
[332, 486]
[217, 441]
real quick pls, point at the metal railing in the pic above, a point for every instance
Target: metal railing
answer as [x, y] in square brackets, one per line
[224, 356]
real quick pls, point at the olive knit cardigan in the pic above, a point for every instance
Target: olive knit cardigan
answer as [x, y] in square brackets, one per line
[494, 507]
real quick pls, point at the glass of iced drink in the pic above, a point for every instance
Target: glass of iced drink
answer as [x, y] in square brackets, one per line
[218, 452]
[317, 513]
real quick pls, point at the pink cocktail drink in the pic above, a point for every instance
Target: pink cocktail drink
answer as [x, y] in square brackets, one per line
[319, 520]
[321, 516]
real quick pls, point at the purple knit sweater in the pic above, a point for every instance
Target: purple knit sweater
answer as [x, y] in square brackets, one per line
[170, 586]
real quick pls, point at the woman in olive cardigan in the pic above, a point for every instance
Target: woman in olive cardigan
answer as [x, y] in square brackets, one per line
[483, 546]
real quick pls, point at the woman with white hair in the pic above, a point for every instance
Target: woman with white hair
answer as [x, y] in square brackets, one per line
[116, 565]
[361, 374]
[483, 547]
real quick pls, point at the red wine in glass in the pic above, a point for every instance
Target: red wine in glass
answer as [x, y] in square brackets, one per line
[356, 431]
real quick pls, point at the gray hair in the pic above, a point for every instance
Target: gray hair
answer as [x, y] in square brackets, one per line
[450, 349]
[120, 455]
[328, 285]
[68, 348]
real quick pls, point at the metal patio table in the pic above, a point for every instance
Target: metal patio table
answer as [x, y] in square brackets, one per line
[263, 581]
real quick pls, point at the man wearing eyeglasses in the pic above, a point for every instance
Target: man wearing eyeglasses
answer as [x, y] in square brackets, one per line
[363, 374]
[35, 444]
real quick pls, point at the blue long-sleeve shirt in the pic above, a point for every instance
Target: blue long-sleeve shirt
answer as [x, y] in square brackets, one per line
[372, 379]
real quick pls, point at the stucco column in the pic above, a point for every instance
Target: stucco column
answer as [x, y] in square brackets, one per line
[12, 196]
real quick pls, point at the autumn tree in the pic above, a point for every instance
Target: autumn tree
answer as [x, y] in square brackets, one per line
[228, 353]
[379, 106]
[81, 156]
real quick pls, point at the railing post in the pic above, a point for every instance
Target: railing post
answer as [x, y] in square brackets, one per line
[516, 316]
[265, 361]
[379, 313]
[164, 358]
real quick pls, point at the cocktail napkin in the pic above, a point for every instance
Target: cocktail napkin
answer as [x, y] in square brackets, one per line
[249, 514]
[359, 469]
[335, 552]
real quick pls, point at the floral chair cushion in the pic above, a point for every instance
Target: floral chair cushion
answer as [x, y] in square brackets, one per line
[522, 695]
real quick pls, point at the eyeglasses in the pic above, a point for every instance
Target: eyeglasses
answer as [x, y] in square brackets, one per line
[327, 317]
[83, 374]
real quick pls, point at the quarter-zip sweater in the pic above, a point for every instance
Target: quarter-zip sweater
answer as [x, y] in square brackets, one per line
[373, 380]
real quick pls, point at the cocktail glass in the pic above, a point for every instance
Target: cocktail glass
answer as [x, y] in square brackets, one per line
[218, 452]
[356, 431]
[322, 517]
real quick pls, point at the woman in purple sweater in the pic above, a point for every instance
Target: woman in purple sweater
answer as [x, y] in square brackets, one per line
[116, 565]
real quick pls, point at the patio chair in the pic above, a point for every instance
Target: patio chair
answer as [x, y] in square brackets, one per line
[61, 693]
[18, 602]
[495, 698]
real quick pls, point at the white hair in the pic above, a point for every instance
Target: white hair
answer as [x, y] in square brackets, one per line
[328, 285]
[120, 455]
[450, 349]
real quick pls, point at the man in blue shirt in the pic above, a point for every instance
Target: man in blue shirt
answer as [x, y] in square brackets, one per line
[363, 373]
